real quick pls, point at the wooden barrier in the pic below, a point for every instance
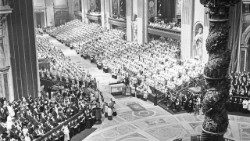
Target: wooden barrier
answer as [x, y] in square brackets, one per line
[59, 127]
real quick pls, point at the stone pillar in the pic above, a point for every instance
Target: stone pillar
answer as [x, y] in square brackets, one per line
[71, 5]
[146, 21]
[23, 49]
[85, 9]
[129, 12]
[140, 22]
[107, 13]
[103, 16]
[50, 17]
[187, 18]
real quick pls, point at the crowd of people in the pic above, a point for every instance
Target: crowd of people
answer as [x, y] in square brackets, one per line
[239, 93]
[75, 33]
[240, 84]
[60, 65]
[32, 118]
[162, 25]
[68, 105]
[155, 64]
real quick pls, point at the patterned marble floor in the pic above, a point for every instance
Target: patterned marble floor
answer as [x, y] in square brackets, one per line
[139, 120]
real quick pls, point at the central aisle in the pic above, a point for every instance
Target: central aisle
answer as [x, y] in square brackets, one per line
[138, 120]
[103, 79]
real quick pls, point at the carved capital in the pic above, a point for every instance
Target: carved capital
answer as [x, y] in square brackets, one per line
[4, 11]
[5, 69]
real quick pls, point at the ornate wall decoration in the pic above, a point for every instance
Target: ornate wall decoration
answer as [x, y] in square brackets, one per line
[178, 7]
[2, 50]
[93, 5]
[152, 8]
[122, 7]
[134, 27]
[115, 8]
[77, 5]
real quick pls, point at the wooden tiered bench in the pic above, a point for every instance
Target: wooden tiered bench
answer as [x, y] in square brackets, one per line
[59, 127]
[95, 18]
[169, 33]
[117, 23]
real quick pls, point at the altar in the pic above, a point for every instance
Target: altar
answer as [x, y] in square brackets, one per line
[118, 89]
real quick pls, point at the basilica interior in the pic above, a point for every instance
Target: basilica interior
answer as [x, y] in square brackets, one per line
[124, 70]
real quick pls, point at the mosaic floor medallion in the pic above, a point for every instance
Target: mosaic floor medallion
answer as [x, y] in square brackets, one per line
[133, 137]
[135, 107]
[144, 113]
[168, 132]
[244, 131]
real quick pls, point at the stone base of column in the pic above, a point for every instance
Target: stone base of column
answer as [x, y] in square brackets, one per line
[211, 137]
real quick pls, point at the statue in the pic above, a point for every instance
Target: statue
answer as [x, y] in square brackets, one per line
[134, 26]
[2, 57]
[198, 43]
[2, 53]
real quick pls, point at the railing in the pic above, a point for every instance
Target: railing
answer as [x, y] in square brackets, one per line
[96, 18]
[59, 127]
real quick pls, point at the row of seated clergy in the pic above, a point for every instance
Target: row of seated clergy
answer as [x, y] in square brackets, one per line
[88, 82]
[238, 104]
[240, 84]
[42, 114]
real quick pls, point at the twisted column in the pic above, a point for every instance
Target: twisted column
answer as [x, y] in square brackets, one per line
[216, 70]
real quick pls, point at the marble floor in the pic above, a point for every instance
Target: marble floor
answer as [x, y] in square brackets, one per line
[139, 120]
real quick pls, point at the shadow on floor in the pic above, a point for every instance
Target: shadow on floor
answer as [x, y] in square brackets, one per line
[81, 136]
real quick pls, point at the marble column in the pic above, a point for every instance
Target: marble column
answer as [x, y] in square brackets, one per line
[23, 49]
[141, 22]
[187, 19]
[103, 16]
[129, 12]
[50, 17]
[85, 9]
[146, 21]
[107, 13]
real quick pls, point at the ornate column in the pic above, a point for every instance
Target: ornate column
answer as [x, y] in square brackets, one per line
[216, 70]
[5, 72]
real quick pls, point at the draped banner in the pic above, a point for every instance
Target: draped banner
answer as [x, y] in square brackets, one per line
[234, 36]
